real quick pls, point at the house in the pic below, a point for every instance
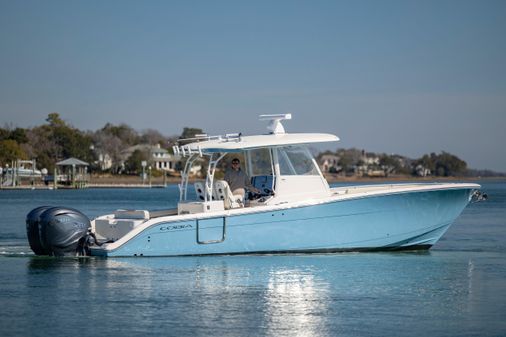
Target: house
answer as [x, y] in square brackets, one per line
[369, 158]
[329, 161]
[159, 158]
[163, 160]
[422, 171]
[104, 161]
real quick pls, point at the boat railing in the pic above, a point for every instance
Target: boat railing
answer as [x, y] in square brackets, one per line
[186, 150]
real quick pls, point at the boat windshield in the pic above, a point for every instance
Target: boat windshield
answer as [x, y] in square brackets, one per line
[295, 160]
[260, 163]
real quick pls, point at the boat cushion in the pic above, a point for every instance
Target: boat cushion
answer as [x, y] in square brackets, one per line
[131, 214]
[221, 191]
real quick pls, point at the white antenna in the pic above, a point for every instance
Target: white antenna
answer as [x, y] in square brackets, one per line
[275, 125]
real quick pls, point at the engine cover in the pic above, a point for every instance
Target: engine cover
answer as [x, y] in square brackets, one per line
[57, 231]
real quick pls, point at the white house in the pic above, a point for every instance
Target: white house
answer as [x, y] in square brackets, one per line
[327, 161]
[160, 158]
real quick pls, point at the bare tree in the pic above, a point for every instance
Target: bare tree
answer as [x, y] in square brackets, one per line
[108, 145]
[153, 137]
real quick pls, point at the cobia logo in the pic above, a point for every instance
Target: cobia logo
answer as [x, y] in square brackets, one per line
[175, 227]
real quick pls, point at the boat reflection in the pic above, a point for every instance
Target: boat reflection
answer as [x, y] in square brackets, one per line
[284, 293]
[304, 295]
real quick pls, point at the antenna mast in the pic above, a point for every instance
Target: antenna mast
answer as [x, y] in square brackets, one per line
[275, 126]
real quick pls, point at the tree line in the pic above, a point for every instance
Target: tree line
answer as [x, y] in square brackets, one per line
[56, 140]
[354, 161]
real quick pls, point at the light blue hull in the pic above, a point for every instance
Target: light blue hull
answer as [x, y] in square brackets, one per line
[392, 221]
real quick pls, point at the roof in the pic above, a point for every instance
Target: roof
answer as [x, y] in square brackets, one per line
[329, 156]
[144, 147]
[168, 158]
[159, 150]
[72, 161]
[253, 142]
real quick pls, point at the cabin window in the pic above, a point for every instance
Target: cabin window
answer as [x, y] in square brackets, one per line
[260, 162]
[295, 160]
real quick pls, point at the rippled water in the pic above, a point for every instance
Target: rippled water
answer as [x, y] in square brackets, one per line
[458, 288]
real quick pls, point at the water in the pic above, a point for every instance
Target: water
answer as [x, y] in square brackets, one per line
[458, 288]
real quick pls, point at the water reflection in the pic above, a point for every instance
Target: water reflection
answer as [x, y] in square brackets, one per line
[262, 295]
[296, 301]
[269, 293]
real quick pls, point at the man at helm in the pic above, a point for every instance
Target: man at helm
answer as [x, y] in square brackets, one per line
[237, 180]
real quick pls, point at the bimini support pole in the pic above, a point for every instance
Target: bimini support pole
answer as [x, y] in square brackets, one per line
[211, 168]
[183, 186]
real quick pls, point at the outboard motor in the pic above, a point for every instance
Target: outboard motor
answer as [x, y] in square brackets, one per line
[58, 231]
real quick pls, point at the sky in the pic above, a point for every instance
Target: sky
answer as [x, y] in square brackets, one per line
[404, 77]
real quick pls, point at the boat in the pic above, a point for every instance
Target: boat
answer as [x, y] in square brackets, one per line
[296, 210]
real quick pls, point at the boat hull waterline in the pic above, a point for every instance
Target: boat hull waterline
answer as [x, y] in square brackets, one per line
[395, 221]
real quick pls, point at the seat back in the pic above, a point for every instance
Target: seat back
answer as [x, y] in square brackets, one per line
[200, 191]
[221, 191]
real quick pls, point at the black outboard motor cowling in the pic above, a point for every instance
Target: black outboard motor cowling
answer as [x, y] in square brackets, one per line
[57, 231]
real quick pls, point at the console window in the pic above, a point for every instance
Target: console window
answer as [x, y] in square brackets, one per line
[295, 160]
[260, 161]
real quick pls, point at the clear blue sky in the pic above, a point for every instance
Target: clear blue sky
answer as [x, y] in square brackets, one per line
[407, 77]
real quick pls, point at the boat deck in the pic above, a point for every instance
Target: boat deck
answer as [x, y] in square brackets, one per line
[352, 191]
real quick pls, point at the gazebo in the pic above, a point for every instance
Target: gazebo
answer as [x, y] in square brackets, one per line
[72, 172]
